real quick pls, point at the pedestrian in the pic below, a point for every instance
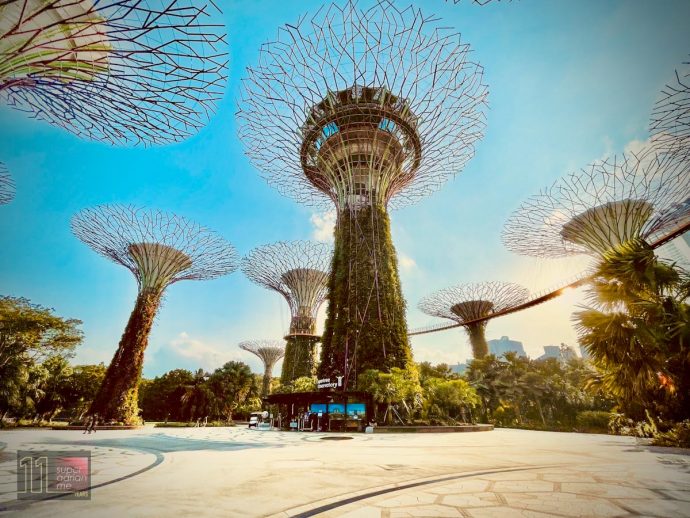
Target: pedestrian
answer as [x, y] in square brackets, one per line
[87, 423]
[94, 422]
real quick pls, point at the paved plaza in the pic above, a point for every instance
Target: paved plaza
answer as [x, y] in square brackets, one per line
[239, 472]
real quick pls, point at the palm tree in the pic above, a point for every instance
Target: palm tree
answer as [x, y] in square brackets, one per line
[637, 331]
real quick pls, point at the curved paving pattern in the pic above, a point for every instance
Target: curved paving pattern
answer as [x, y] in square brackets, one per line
[239, 472]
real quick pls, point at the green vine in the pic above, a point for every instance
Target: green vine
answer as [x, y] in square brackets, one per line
[117, 399]
[365, 325]
[300, 358]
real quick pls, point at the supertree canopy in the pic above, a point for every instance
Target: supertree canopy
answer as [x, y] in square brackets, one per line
[269, 351]
[6, 185]
[298, 270]
[615, 201]
[365, 108]
[471, 304]
[670, 121]
[120, 71]
[159, 249]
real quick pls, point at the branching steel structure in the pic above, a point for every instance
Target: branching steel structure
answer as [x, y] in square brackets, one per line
[120, 71]
[159, 249]
[670, 121]
[298, 270]
[618, 200]
[364, 108]
[7, 189]
[269, 351]
[465, 303]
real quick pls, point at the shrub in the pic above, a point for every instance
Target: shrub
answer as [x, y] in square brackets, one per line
[593, 421]
[678, 436]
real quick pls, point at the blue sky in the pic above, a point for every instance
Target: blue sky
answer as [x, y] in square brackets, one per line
[569, 82]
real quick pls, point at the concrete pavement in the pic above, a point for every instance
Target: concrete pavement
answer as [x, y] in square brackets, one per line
[239, 472]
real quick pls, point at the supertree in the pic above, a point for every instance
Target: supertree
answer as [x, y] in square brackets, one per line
[159, 249]
[120, 71]
[670, 121]
[298, 270]
[269, 351]
[471, 304]
[6, 185]
[365, 108]
[623, 199]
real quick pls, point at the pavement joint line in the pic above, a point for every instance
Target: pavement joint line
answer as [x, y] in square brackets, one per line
[319, 507]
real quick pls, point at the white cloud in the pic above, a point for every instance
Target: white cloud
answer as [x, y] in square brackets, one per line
[186, 352]
[323, 223]
[407, 264]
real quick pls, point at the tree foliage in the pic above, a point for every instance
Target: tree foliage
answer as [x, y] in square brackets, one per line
[30, 335]
[637, 331]
[543, 394]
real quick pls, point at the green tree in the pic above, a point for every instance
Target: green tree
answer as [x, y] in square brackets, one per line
[162, 397]
[637, 331]
[390, 389]
[82, 388]
[29, 335]
[449, 399]
[197, 397]
[55, 387]
[230, 385]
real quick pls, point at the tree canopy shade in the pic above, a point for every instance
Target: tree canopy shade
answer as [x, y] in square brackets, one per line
[362, 108]
[7, 189]
[159, 249]
[385, 55]
[298, 270]
[119, 71]
[269, 351]
[613, 201]
[466, 303]
[670, 121]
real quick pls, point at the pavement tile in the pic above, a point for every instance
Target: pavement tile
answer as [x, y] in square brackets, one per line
[563, 504]
[511, 486]
[472, 500]
[607, 490]
[464, 486]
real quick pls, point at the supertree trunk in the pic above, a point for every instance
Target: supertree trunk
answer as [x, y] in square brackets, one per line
[300, 358]
[118, 395]
[365, 326]
[480, 348]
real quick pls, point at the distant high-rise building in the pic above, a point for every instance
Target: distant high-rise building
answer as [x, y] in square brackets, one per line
[583, 352]
[504, 345]
[458, 369]
[562, 353]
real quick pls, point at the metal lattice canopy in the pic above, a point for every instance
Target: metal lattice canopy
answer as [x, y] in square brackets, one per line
[623, 198]
[670, 121]
[7, 189]
[119, 71]
[269, 351]
[467, 302]
[298, 270]
[158, 248]
[348, 103]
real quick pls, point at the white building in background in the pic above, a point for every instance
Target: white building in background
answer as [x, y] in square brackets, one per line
[562, 352]
[504, 345]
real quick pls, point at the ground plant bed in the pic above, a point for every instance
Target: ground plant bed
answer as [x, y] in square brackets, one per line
[99, 427]
[435, 429]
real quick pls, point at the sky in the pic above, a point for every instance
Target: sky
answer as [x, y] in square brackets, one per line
[569, 83]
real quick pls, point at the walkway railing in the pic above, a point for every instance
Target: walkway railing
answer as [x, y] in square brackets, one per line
[578, 280]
